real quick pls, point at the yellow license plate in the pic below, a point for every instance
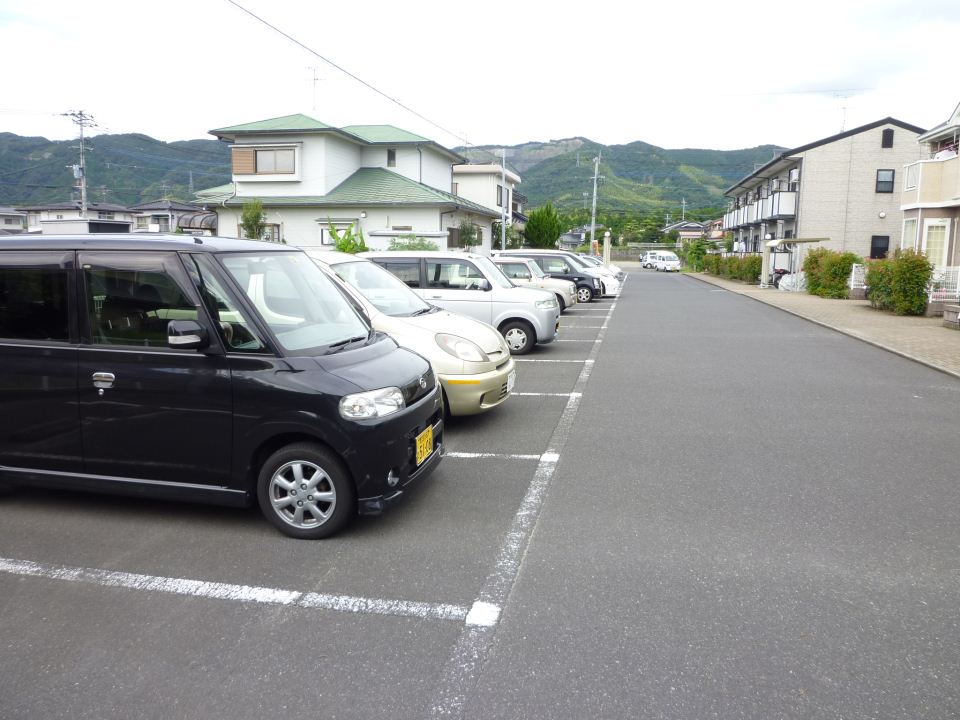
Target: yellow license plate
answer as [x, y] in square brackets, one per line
[424, 444]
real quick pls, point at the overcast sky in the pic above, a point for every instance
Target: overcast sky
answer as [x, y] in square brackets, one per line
[702, 74]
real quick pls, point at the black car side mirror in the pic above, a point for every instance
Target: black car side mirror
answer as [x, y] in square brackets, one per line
[187, 335]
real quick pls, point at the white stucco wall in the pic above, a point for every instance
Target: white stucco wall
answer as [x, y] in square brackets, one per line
[838, 197]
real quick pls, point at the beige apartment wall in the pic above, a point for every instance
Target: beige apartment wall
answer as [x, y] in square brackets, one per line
[838, 198]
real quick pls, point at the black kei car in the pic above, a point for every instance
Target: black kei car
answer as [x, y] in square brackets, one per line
[205, 369]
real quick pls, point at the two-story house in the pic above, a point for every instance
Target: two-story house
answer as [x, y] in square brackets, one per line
[493, 186]
[931, 196]
[687, 231]
[67, 218]
[311, 178]
[12, 221]
[163, 216]
[843, 190]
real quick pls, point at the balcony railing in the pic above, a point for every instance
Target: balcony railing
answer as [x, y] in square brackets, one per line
[932, 181]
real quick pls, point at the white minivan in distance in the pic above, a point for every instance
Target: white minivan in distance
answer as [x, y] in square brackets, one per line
[472, 285]
[666, 261]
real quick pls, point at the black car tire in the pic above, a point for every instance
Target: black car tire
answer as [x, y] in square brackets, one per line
[563, 305]
[519, 335]
[584, 294]
[329, 496]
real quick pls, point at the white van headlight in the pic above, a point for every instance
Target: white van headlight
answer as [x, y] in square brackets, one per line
[547, 304]
[461, 348]
[371, 404]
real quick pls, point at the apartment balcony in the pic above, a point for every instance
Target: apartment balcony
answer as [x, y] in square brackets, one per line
[780, 205]
[932, 182]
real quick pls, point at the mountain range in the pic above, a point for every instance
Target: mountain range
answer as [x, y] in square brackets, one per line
[131, 168]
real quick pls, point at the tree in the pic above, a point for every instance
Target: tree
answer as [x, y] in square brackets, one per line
[514, 239]
[253, 220]
[469, 234]
[543, 227]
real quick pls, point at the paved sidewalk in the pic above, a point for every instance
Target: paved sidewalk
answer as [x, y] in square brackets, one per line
[922, 339]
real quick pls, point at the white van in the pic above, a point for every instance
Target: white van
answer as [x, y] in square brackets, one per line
[472, 285]
[666, 261]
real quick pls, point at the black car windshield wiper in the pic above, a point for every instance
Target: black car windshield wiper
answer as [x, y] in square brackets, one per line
[334, 347]
[424, 311]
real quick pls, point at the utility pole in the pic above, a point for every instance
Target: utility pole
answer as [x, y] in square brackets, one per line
[80, 118]
[683, 209]
[593, 211]
[503, 199]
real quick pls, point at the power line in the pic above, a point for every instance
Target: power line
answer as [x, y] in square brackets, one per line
[346, 72]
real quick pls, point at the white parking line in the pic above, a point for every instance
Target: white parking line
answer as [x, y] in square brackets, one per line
[526, 394]
[495, 456]
[568, 326]
[547, 360]
[461, 672]
[242, 593]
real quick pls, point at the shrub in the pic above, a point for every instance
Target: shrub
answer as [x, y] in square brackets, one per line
[828, 271]
[880, 284]
[412, 242]
[736, 268]
[900, 284]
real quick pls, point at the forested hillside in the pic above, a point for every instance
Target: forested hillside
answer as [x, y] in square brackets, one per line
[122, 169]
[637, 177]
[128, 169]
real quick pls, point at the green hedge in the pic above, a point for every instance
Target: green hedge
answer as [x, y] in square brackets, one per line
[745, 268]
[900, 284]
[828, 272]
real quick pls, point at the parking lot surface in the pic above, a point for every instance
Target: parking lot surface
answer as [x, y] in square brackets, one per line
[694, 506]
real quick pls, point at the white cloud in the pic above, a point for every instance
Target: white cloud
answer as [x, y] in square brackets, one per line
[683, 74]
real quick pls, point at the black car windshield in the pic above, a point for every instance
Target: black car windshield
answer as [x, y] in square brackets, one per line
[381, 288]
[303, 308]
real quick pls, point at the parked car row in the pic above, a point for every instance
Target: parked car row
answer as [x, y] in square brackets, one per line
[235, 372]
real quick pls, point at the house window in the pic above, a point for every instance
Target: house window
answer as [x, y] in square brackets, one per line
[885, 181]
[793, 183]
[143, 223]
[887, 140]
[271, 233]
[105, 215]
[909, 240]
[879, 245]
[913, 175]
[275, 161]
[402, 228]
[391, 157]
[500, 194]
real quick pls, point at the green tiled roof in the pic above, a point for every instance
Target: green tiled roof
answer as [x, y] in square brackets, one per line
[280, 124]
[383, 134]
[376, 186]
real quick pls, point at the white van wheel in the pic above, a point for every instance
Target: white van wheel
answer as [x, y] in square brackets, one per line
[519, 336]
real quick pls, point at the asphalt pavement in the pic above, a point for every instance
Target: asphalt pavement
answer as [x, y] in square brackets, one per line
[696, 506]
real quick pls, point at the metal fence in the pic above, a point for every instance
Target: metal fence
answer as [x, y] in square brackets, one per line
[858, 277]
[943, 285]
